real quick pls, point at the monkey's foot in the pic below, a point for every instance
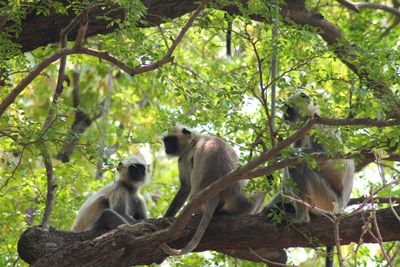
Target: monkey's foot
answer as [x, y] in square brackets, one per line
[139, 227]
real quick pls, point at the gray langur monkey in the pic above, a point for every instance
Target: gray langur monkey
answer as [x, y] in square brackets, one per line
[119, 202]
[327, 187]
[202, 160]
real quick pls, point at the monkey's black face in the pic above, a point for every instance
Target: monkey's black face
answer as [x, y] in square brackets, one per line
[136, 172]
[290, 114]
[171, 145]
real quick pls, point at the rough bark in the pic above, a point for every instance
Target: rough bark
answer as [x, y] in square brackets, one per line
[39, 30]
[119, 248]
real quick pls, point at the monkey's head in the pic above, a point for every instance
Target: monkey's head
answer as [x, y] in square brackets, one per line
[299, 107]
[134, 170]
[177, 139]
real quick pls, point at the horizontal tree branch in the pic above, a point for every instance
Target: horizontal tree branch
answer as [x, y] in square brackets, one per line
[357, 6]
[78, 49]
[38, 30]
[119, 248]
[379, 200]
[357, 122]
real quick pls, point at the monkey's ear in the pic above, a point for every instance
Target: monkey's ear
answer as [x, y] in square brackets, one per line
[186, 131]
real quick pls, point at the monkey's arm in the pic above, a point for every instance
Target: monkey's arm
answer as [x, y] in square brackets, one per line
[108, 220]
[89, 214]
[178, 201]
[140, 211]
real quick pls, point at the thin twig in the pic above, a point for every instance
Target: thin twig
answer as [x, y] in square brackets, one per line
[52, 114]
[379, 236]
[385, 8]
[104, 114]
[51, 185]
[378, 200]
[337, 240]
[263, 99]
[365, 228]
[274, 63]
[77, 49]
[357, 122]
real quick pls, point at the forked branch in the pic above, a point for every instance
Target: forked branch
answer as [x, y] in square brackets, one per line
[78, 49]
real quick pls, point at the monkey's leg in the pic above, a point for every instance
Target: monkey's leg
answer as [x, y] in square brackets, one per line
[140, 210]
[128, 218]
[237, 205]
[177, 202]
[301, 175]
[108, 220]
[330, 250]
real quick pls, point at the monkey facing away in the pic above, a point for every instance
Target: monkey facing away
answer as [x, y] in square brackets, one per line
[202, 160]
[327, 187]
[117, 203]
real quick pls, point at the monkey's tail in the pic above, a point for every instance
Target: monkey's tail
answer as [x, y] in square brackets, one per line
[205, 220]
[329, 256]
[258, 202]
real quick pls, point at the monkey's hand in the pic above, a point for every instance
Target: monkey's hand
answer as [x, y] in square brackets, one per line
[140, 227]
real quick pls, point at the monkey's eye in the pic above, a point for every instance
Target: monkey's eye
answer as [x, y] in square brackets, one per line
[120, 166]
[185, 131]
[303, 95]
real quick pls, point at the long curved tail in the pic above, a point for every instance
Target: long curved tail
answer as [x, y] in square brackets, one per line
[205, 220]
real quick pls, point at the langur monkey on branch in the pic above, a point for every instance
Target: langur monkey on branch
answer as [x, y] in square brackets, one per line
[119, 202]
[202, 160]
[327, 187]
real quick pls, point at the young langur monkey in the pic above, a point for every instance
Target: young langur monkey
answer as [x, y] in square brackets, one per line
[118, 203]
[327, 187]
[202, 160]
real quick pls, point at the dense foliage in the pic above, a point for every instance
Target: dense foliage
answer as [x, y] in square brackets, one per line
[201, 88]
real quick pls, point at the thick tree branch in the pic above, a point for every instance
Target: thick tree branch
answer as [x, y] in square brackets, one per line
[333, 36]
[51, 186]
[118, 248]
[357, 6]
[78, 49]
[51, 116]
[81, 122]
[357, 122]
[34, 26]
[349, 5]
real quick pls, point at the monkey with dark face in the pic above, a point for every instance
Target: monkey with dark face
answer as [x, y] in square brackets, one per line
[327, 187]
[117, 203]
[202, 160]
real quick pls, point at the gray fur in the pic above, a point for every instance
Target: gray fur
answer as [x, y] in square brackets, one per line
[117, 203]
[327, 187]
[203, 160]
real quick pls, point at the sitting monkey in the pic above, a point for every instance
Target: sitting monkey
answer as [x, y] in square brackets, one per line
[117, 203]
